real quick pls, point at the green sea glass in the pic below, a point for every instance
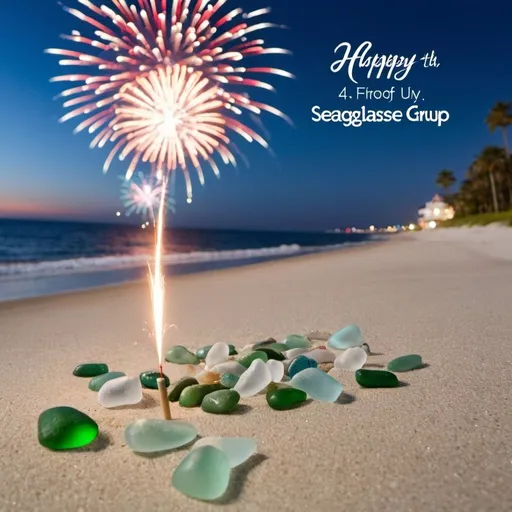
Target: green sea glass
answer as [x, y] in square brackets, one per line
[90, 369]
[203, 474]
[203, 351]
[405, 363]
[152, 435]
[272, 354]
[178, 387]
[193, 396]
[376, 379]
[283, 399]
[252, 356]
[96, 383]
[181, 355]
[65, 428]
[278, 347]
[229, 380]
[149, 380]
[223, 401]
[296, 341]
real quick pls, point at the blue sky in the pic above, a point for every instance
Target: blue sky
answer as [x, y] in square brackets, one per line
[320, 176]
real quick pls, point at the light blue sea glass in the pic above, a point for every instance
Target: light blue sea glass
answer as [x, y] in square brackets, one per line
[151, 435]
[317, 384]
[203, 474]
[236, 449]
[348, 337]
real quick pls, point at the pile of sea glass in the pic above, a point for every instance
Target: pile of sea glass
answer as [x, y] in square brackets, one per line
[216, 378]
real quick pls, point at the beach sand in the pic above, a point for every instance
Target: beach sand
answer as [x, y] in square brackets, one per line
[441, 442]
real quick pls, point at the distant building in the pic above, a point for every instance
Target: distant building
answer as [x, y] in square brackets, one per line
[433, 212]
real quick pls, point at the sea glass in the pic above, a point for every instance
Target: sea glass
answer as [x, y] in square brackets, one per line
[255, 379]
[348, 337]
[203, 351]
[236, 449]
[299, 364]
[351, 359]
[219, 353]
[153, 435]
[203, 474]
[296, 341]
[233, 367]
[65, 428]
[405, 363]
[223, 401]
[321, 356]
[272, 354]
[249, 358]
[285, 398]
[149, 380]
[193, 396]
[121, 391]
[276, 370]
[181, 355]
[90, 369]
[96, 383]
[317, 384]
[229, 380]
[376, 379]
[179, 386]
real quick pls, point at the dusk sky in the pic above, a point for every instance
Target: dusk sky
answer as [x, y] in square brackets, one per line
[320, 175]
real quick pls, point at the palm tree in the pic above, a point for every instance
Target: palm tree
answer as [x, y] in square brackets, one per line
[491, 161]
[445, 179]
[500, 116]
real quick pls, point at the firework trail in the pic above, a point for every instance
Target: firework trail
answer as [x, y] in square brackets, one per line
[130, 42]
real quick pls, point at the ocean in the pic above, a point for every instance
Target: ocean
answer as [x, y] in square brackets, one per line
[45, 257]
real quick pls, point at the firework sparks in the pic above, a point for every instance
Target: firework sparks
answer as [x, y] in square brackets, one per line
[133, 41]
[172, 116]
[142, 195]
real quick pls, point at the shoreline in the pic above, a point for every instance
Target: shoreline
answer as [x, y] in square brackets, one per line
[379, 449]
[196, 270]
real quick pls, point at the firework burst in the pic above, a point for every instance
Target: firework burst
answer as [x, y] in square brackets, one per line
[142, 194]
[130, 42]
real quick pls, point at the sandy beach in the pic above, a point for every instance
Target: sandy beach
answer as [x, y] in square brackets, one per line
[442, 442]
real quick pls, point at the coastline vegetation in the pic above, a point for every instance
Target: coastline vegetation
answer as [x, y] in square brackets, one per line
[484, 196]
[481, 219]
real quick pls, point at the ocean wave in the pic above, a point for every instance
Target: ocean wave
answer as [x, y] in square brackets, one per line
[93, 264]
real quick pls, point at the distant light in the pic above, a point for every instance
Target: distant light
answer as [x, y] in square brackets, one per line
[437, 211]
[147, 223]
[348, 230]
[118, 214]
[412, 227]
[372, 228]
[432, 224]
[189, 200]
[143, 226]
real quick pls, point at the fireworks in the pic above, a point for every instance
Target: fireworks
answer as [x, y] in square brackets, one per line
[149, 37]
[142, 195]
[165, 84]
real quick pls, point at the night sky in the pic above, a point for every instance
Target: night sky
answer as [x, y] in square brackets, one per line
[320, 176]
